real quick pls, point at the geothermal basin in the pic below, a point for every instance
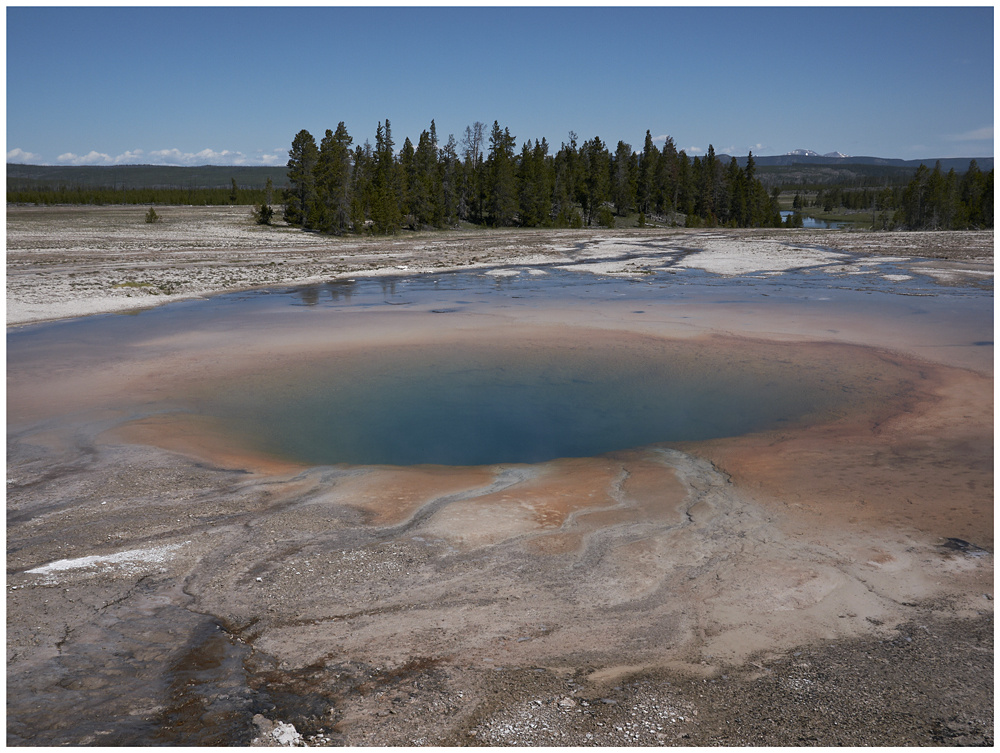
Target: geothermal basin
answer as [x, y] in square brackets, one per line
[403, 509]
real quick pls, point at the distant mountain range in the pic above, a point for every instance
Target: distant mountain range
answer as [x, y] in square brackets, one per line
[809, 157]
[811, 153]
[145, 176]
[801, 165]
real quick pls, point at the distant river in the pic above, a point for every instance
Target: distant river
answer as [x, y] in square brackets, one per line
[813, 223]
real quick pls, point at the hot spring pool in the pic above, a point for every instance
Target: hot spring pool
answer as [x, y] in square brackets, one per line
[483, 402]
[461, 369]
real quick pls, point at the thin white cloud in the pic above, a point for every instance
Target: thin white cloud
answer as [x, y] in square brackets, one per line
[155, 157]
[979, 134]
[694, 150]
[167, 157]
[158, 157]
[132, 157]
[204, 157]
[272, 159]
[225, 157]
[91, 158]
[20, 156]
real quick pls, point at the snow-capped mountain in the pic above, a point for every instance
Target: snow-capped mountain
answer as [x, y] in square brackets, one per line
[811, 153]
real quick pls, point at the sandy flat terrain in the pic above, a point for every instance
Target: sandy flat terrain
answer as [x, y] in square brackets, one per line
[827, 583]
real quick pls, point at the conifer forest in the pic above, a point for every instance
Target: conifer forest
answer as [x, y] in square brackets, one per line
[336, 186]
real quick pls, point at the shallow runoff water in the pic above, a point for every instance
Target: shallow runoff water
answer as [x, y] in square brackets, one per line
[476, 398]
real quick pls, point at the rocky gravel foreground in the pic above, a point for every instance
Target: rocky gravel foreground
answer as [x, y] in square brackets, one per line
[898, 691]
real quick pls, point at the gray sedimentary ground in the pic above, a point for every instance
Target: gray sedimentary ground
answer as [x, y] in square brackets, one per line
[821, 585]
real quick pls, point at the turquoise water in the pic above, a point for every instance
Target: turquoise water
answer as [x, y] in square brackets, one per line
[479, 404]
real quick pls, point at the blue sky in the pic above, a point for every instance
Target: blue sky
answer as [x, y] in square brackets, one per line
[233, 85]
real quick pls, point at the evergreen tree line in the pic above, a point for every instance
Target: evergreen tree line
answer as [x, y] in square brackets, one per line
[931, 200]
[887, 197]
[942, 201]
[337, 187]
[69, 194]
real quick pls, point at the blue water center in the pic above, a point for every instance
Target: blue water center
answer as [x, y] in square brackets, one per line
[485, 403]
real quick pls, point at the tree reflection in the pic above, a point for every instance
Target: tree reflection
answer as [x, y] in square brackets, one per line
[309, 295]
[341, 289]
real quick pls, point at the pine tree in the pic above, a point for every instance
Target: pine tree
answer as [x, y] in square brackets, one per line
[385, 210]
[976, 197]
[408, 184]
[672, 189]
[912, 214]
[566, 168]
[733, 210]
[758, 202]
[500, 185]
[528, 177]
[451, 180]
[262, 214]
[333, 181]
[300, 197]
[593, 189]
[684, 191]
[543, 190]
[624, 178]
[362, 188]
[708, 186]
[471, 201]
[427, 198]
[646, 181]
[430, 165]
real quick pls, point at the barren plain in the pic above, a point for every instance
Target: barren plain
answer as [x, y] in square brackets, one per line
[828, 582]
